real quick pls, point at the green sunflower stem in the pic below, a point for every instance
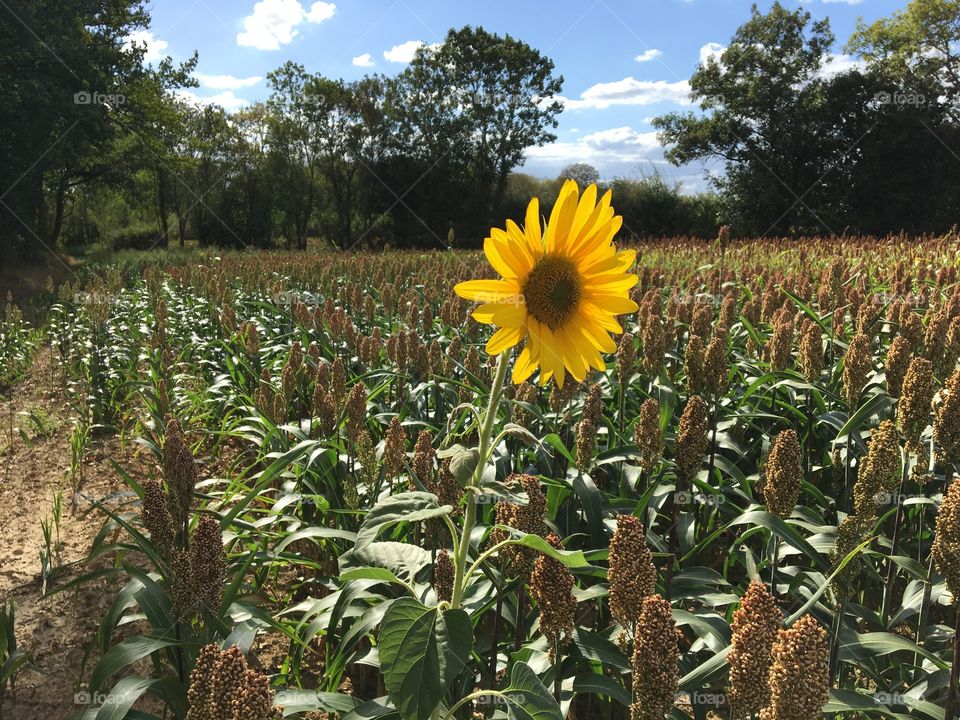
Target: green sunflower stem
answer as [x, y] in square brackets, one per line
[470, 512]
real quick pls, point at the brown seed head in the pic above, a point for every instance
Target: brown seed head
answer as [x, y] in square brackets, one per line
[946, 422]
[632, 573]
[443, 576]
[395, 448]
[946, 543]
[755, 627]
[799, 676]
[654, 660]
[913, 410]
[648, 436]
[156, 517]
[857, 364]
[784, 473]
[896, 364]
[879, 471]
[691, 442]
[551, 587]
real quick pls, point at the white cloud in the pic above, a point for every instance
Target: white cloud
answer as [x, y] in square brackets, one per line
[630, 91]
[320, 11]
[622, 144]
[845, 2]
[648, 55]
[226, 99]
[155, 46]
[365, 60]
[226, 82]
[274, 22]
[711, 50]
[838, 63]
[404, 52]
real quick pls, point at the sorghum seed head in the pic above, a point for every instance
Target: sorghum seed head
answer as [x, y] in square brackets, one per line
[755, 626]
[946, 422]
[784, 473]
[693, 364]
[626, 356]
[946, 544]
[423, 458]
[654, 345]
[338, 381]
[356, 409]
[395, 448]
[201, 683]
[896, 364]
[780, 344]
[879, 471]
[226, 680]
[586, 442]
[326, 414]
[208, 564]
[691, 442]
[647, 435]
[179, 471]
[715, 366]
[857, 364]
[443, 576]
[799, 675]
[156, 517]
[632, 574]
[913, 409]
[811, 351]
[850, 534]
[551, 586]
[654, 660]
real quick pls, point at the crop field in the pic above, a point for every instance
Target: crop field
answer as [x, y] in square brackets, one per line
[334, 501]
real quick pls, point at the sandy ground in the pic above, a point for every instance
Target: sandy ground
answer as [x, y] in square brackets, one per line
[58, 629]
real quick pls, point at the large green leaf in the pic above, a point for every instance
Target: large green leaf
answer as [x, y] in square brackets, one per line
[421, 650]
[405, 507]
[528, 698]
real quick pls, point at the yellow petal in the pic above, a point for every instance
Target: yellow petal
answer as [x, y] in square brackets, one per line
[612, 304]
[504, 338]
[502, 314]
[561, 217]
[499, 259]
[524, 367]
[531, 228]
[489, 291]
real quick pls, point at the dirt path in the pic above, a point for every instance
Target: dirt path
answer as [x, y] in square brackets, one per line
[57, 629]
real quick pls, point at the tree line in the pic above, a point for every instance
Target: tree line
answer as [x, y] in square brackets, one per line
[99, 146]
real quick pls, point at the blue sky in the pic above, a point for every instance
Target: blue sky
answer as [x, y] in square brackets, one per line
[623, 61]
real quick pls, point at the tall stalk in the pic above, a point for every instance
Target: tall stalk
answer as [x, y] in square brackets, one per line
[470, 513]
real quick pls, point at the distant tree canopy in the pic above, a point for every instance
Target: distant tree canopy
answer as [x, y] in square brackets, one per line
[96, 146]
[397, 161]
[872, 149]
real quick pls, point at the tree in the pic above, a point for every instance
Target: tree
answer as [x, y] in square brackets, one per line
[917, 50]
[583, 173]
[470, 109]
[59, 94]
[759, 101]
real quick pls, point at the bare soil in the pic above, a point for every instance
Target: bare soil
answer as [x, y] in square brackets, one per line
[57, 629]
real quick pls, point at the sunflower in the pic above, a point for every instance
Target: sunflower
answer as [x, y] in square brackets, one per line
[561, 289]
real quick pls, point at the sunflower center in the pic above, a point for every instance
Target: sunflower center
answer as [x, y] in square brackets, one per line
[552, 290]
